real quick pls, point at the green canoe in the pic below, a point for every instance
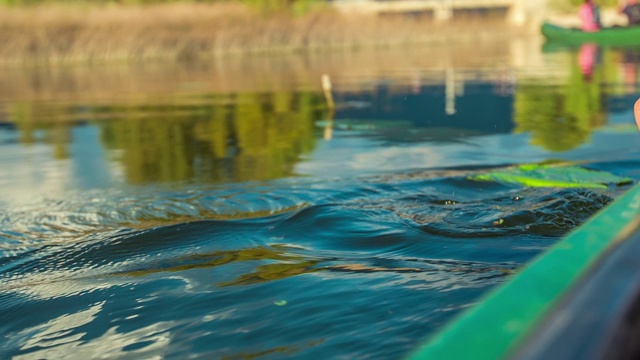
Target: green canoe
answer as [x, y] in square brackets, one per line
[578, 300]
[618, 36]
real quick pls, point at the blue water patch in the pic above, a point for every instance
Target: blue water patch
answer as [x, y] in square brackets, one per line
[250, 221]
[366, 268]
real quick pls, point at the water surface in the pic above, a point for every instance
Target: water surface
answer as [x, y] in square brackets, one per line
[221, 210]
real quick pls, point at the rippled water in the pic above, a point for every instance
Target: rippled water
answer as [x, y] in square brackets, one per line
[223, 212]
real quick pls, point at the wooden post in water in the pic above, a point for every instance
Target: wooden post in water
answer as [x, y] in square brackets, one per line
[326, 88]
[517, 15]
[450, 91]
[443, 11]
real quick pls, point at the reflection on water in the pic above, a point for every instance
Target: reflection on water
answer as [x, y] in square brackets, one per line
[563, 117]
[236, 137]
[257, 137]
[481, 108]
[213, 137]
[202, 209]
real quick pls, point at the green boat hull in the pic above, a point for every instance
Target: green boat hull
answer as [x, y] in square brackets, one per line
[619, 36]
[578, 300]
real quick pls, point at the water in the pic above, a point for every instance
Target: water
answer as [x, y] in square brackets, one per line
[221, 211]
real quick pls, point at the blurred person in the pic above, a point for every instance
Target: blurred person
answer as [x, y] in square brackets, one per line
[590, 15]
[631, 9]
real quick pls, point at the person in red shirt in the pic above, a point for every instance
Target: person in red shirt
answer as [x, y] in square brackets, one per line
[590, 16]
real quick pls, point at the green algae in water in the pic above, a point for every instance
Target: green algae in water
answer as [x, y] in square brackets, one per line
[534, 175]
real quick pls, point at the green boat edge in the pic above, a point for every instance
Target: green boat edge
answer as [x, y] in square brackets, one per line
[618, 36]
[508, 316]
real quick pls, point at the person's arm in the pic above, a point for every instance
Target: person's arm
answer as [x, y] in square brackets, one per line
[636, 113]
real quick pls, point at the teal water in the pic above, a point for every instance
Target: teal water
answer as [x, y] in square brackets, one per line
[201, 211]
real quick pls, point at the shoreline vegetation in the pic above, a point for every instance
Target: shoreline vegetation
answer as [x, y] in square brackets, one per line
[186, 31]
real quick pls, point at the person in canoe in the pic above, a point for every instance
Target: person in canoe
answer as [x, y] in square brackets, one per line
[590, 15]
[631, 9]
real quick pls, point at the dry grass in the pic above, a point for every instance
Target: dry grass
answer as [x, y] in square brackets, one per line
[189, 31]
[233, 74]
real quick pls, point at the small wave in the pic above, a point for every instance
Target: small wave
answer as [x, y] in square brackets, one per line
[530, 211]
[267, 262]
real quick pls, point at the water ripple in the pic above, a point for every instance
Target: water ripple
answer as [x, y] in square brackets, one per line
[164, 274]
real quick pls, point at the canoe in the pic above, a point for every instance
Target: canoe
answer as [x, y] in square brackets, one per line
[580, 299]
[618, 36]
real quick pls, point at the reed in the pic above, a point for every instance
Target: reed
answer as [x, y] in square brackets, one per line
[183, 31]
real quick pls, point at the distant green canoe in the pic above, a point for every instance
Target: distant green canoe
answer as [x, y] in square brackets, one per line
[619, 36]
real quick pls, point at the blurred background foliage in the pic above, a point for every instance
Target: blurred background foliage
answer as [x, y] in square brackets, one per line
[568, 6]
[269, 4]
[294, 6]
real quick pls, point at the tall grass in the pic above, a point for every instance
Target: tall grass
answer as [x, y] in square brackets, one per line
[295, 7]
[81, 31]
[274, 4]
[571, 6]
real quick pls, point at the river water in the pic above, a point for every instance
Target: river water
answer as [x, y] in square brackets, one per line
[221, 210]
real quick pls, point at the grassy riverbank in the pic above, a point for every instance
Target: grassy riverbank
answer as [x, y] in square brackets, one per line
[184, 31]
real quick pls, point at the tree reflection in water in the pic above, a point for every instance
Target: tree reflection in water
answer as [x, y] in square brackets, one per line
[563, 118]
[242, 137]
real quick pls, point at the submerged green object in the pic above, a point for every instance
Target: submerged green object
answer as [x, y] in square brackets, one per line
[505, 323]
[534, 175]
[280, 303]
[619, 36]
